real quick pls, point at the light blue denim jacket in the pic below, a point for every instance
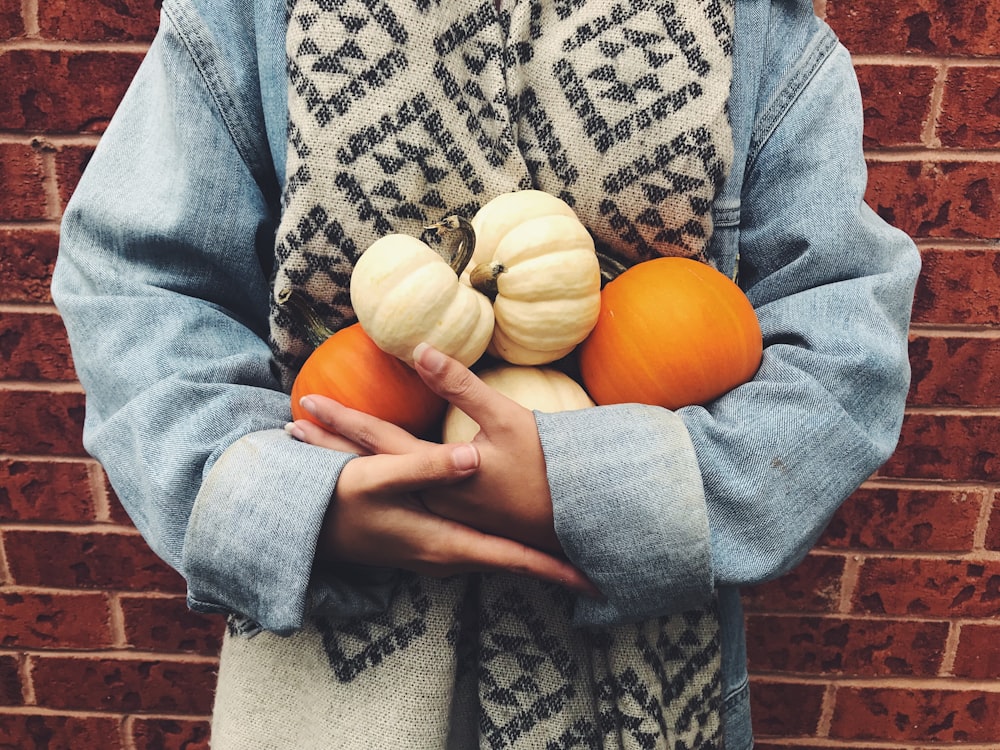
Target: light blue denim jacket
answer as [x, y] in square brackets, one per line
[162, 280]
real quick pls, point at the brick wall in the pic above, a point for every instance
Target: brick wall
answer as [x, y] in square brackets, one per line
[886, 637]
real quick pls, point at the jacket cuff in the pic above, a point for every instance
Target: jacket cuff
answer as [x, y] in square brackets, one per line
[251, 541]
[629, 509]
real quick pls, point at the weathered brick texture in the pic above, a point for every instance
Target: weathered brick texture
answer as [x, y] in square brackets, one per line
[886, 636]
[928, 27]
[33, 346]
[897, 103]
[55, 91]
[34, 620]
[104, 21]
[848, 646]
[900, 715]
[166, 734]
[970, 112]
[895, 518]
[48, 731]
[86, 560]
[123, 685]
[27, 257]
[43, 491]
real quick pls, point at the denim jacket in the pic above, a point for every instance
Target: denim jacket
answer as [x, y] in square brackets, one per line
[162, 281]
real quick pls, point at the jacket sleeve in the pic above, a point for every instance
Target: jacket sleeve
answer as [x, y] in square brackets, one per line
[659, 507]
[162, 289]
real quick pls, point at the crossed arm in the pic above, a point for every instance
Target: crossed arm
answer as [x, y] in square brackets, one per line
[441, 509]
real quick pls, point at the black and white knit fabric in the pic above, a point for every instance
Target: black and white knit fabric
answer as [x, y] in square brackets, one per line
[402, 112]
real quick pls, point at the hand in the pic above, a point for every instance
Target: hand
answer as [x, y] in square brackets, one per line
[377, 517]
[509, 495]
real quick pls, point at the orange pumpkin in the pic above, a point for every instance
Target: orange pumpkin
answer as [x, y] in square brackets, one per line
[672, 332]
[348, 367]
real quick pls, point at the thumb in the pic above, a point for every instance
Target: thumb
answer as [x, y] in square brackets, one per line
[456, 383]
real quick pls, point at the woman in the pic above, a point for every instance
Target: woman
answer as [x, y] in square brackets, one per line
[263, 147]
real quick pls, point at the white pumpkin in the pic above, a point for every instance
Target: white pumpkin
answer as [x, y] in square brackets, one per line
[405, 293]
[542, 274]
[537, 388]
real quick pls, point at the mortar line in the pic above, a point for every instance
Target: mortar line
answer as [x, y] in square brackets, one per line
[50, 182]
[825, 723]
[99, 493]
[24, 668]
[950, 650]
[29, 15]
[983, 523]
[929, 133]
[119, 639]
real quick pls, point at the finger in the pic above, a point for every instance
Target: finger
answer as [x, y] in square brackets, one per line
[451, 380]
[313, 434]
[495, 553]
[430, 466]
[372, 434]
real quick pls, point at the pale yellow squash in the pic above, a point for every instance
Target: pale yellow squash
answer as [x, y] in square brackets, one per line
[542, 273]
[405, 293]
[537, 388]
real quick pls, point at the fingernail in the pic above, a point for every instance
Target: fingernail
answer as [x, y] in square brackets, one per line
[465, 457]
[295, 431]
[429, 357]
[308, 404]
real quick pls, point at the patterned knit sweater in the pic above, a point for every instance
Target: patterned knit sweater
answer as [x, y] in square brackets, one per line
[404, 111]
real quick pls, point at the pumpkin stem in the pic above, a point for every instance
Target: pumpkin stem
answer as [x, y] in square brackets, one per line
[312, 327]
[463, 244]
[611, 269]
[484, 279]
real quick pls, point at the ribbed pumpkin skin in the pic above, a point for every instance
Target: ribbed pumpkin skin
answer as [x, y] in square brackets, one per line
[538, 388]
[348, 367]
[672, 332]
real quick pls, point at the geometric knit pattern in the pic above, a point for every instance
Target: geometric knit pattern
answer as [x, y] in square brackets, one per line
[487, 662]
[402, 112]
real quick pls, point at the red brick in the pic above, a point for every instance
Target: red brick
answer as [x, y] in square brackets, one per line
[166, 625]
[44, 620]
[954, 371]
[58, 91]
[45, 491]
[933, 27]
[897, 101]
[928, 587]
[26, 260]
[785, 708]
[915, 715]
[970, 110]
[86, 560]
[812, 586]
[33, 346]
[70, 163]
[41, 422]
[101, 21]
[960, 287]
[947, 446]
[890, 518]
[22, 193]
[10, 682]
[993, 530]
[118, 513]
[978, 656]
[946, 199]
[11, 20]
[842, 646]
[50, 732]
[125, 685]
[166, 734]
